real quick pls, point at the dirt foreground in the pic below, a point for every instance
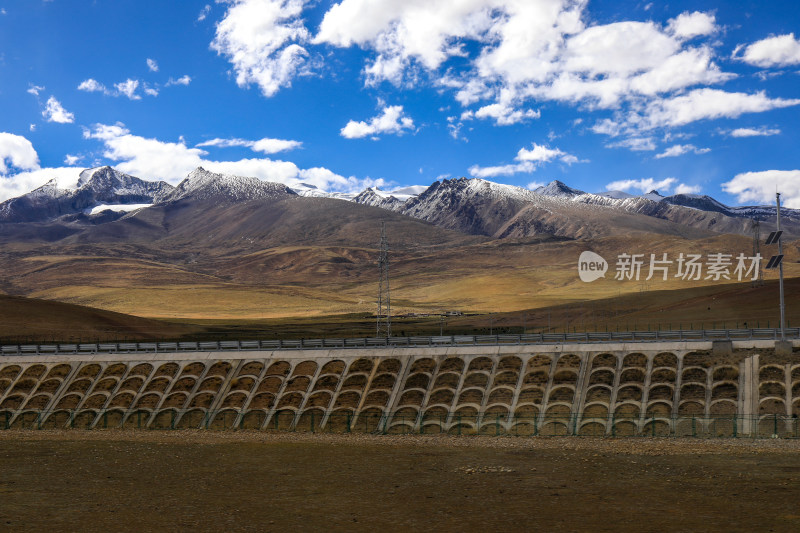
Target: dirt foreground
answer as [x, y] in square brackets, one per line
[253, 481]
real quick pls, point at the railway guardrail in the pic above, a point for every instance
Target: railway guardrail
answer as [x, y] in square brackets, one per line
[398, 342]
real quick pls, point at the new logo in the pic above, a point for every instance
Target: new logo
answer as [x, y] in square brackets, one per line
[591, 267]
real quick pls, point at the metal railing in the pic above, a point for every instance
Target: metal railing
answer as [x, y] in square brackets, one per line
[402, 422]
[400, 342]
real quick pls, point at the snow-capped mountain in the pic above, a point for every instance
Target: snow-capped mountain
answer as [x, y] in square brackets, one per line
[481, 207]
[557, 188]
[103, 186]
[201, 184]
[469, 206]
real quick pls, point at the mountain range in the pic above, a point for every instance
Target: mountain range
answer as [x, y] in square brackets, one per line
[478, 207]
[217, 245]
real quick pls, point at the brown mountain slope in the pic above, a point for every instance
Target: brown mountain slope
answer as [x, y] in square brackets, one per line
[28, 319]
[205, 226]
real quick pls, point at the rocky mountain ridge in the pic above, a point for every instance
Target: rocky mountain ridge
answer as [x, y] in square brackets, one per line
[469, 206]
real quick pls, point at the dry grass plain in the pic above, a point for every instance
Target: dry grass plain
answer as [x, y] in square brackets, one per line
[329, 290]
[250, 481]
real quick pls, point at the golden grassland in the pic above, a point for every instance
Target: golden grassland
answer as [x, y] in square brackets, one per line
[331, 291]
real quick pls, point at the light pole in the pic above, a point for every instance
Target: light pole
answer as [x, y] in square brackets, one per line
[780, 268]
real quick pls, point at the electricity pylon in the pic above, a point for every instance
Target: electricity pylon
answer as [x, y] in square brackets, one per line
[383, 326]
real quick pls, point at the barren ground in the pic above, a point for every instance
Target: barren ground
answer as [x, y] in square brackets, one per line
[252, 481]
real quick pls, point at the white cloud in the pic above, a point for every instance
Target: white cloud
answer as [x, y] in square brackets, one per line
[18, 152]
[32, 127]
[528, 160]
[18, 155]
[535, 185]
[266, 145]
[503, 54]
[763, 131]
[501, 170]
[529, 49]
[23, 182]
[172, 161]
[128, 88]
[146, 158]
[262, 40]
[775, 51]
[183, 80]
[152, 65]
[643, 185]
[402, 32]
[543, 154]
[505, 115]
[55, 112]
[391, 120]
[760, 187]
[635, 144]
[701, 104]
[70, 160]
[688, 25]
[680, 149]
[92, 86]
[204, 13]
[35, 89]
[687, 189]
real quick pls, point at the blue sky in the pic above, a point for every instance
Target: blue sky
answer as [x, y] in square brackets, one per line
[681, 96]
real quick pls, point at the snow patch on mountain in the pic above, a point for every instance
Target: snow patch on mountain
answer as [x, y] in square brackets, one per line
[312, 191]
[117, 208]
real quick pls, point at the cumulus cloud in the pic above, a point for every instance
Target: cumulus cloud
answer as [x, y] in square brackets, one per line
[643, 185]
[392, 120]
[183, 80]
[503, 54]
[128, 88]
[35, 89]
[70, 160]
[19, 168]
[688, 25]
[266, 145]
[703, 104]
[92, 86]
[55, 112]
[763, 131]
[687, 189]
[263, 40]
[760, 187]
[775, 51]
[23, 182]
[635, 144]
[528, 49]
[18, 152]
[152, 65]
[151, 158]
[528, 160]
[503, 115]
[680, 149]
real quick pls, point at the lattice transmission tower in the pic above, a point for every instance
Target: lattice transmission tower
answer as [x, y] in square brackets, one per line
[383, 327]
[759, 281]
